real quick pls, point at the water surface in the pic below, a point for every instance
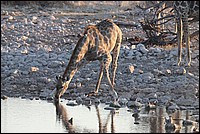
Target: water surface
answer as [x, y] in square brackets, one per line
[39, 116]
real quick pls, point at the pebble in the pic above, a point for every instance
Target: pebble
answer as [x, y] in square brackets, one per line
[79, 100]
[72, 103]
[4, 97]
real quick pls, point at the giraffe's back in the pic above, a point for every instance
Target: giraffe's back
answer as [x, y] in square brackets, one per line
[101, 38]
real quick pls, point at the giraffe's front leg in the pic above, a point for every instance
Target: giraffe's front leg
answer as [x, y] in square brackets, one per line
[99, 79]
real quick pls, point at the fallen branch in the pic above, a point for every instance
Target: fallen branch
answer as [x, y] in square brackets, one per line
[122, 24]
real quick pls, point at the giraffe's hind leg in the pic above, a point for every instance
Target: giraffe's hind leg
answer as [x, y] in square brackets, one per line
[116, 51]
[107, 62]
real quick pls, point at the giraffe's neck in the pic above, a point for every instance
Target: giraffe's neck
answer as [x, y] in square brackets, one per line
[191, 8]
[76, 59]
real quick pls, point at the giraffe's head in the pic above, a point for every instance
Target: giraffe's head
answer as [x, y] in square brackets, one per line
[61, 86]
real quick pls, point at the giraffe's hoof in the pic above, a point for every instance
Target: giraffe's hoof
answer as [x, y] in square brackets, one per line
[92, 94]
[188, 64]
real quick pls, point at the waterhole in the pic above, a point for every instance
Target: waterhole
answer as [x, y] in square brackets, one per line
[24, 116]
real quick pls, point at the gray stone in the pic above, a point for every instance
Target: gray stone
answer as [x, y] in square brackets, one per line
[72, 103]
[134, 104]
[123, 101]
[173, 107]
[142, 49]
[54, 64]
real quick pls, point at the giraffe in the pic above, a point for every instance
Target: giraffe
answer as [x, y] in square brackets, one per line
[97, 43]
[184, 10]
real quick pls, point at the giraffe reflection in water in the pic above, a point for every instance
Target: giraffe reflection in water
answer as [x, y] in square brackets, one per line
[156, 120]
[104, 128]
[61, 113]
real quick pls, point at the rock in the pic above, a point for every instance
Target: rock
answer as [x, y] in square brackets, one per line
[180, 71]
[34, 69]
[123, 101]
[87, 101]
[79, 85]
[133, 46]
[129, 55]
[168, 71]
[142, 48]
[72, 103]
[173, 52]
[173, 107]
[146, 76]
[183, 108]
[79, 100]
[10, 18]
[195, 54]
[138, 54]
[24, 51]
[115, 105]
[37, 98]
[34, 19]
[148, 90]
[136, 122]
[110, 108]
[52, 17]
[154, 50]
[4, 97]
[140, 71]
[134, 104]
[131, 68]
[54, 64]
[31, 98]
[158, 72]
[97, 101]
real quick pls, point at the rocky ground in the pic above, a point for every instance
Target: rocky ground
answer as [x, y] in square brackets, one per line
[36, 44]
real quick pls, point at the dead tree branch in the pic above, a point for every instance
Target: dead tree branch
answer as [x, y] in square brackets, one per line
[158, 24]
